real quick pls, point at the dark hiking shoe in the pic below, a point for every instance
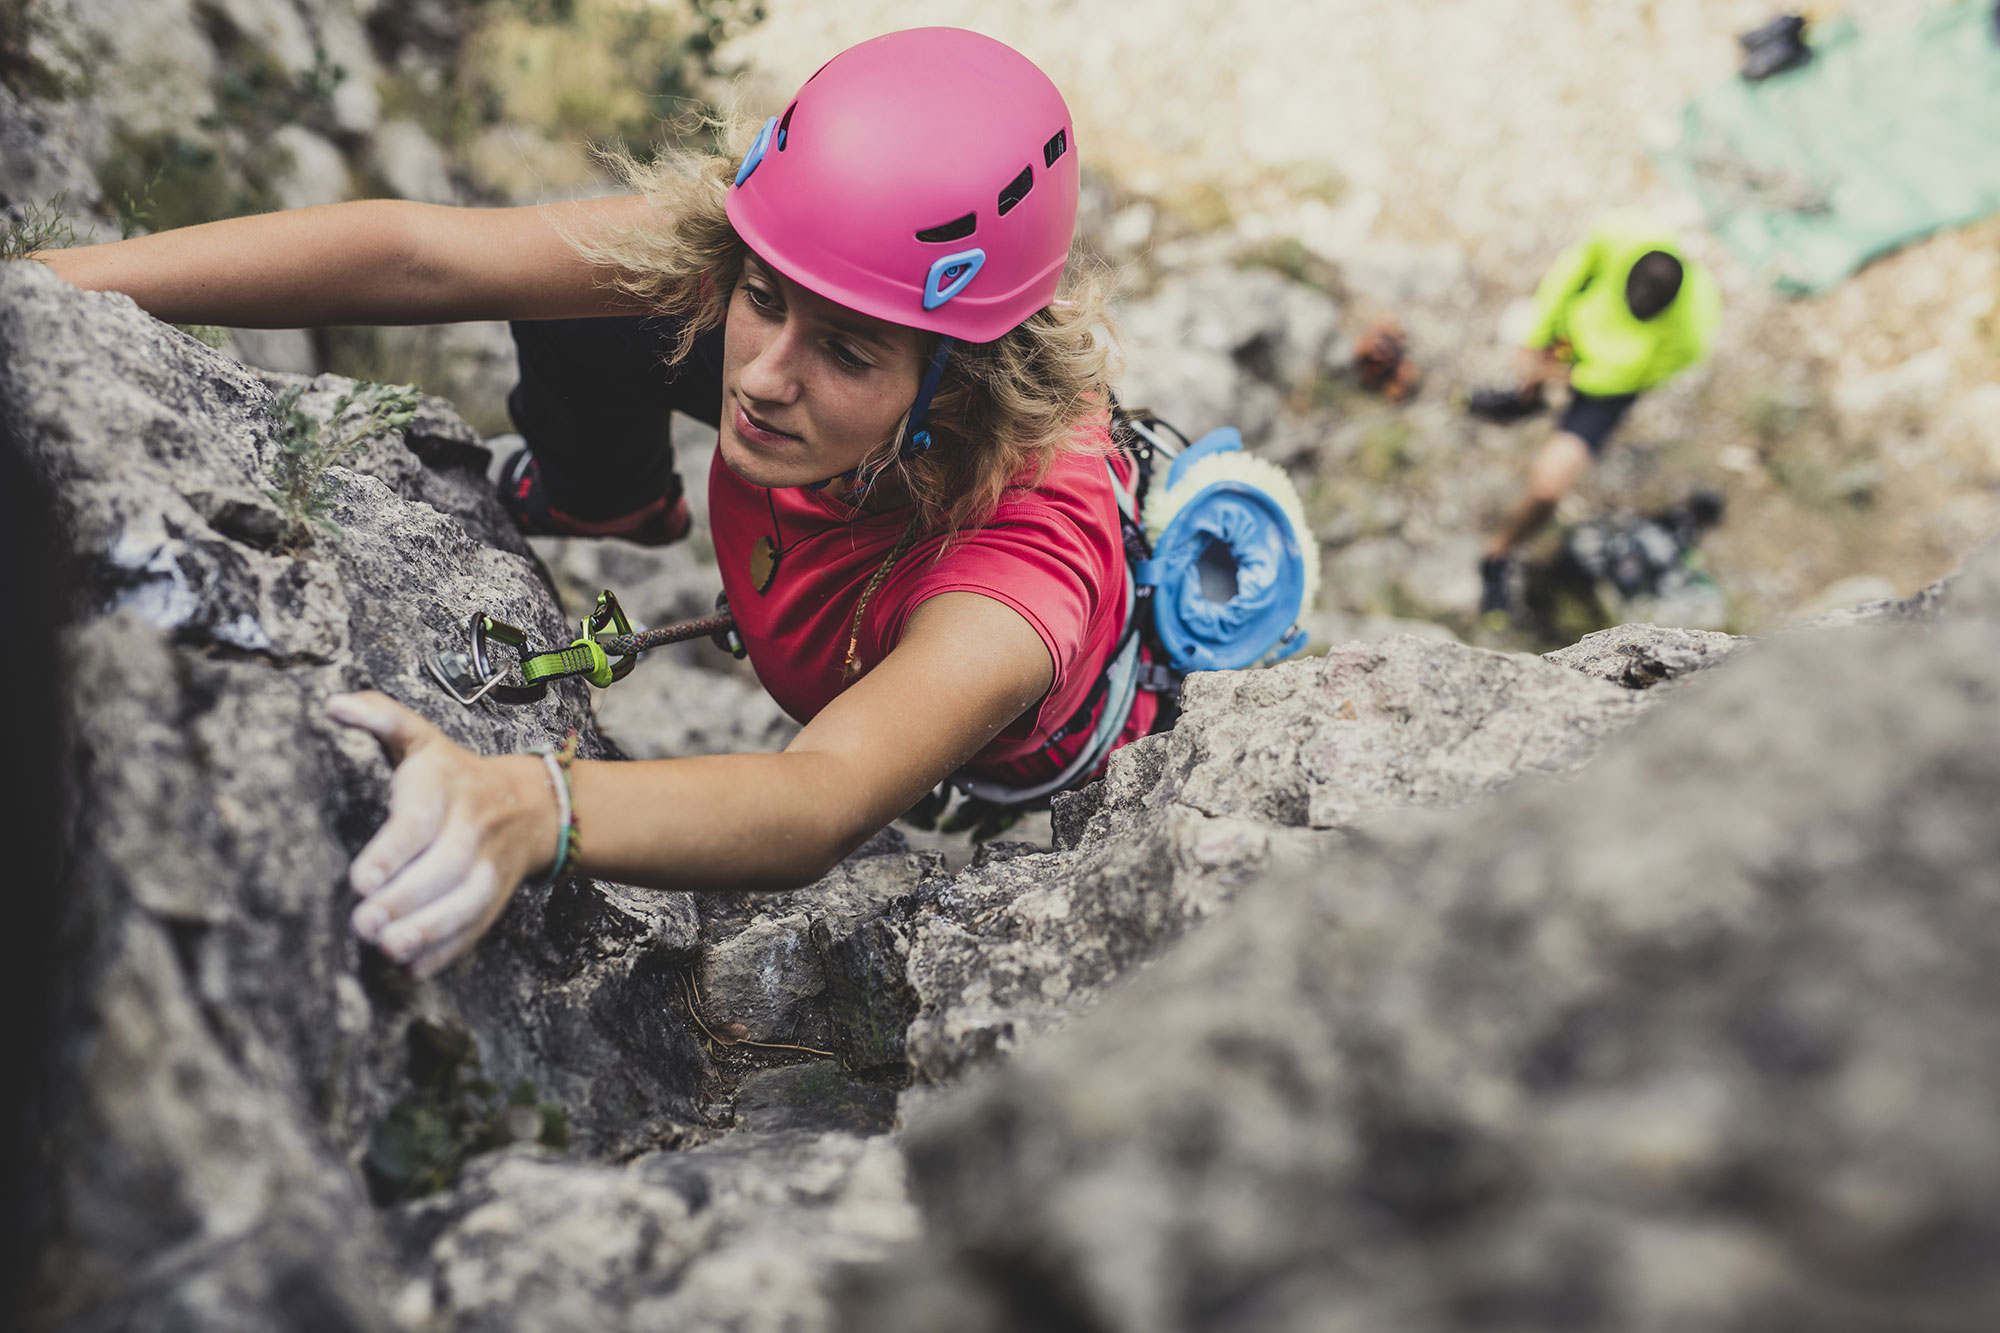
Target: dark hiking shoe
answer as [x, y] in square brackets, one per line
[660, 523]
[1505, 405]
[1493, 579]
[1774, 48]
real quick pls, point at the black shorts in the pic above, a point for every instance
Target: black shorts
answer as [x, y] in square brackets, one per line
[1592, 419]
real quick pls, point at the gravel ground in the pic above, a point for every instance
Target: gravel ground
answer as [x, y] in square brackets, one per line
[1432, 155]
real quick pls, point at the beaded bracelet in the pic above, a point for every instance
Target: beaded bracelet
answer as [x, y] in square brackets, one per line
[569, 837]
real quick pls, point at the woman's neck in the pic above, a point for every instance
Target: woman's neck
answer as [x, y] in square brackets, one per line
[886, 493]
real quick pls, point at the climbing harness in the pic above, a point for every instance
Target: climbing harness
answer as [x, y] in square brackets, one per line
[471, 675]
[1219, 569]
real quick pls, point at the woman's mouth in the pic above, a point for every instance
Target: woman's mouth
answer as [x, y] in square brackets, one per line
[756, 432]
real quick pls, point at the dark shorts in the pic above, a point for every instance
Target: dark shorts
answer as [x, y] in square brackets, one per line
[593, 404]
[1592, 419]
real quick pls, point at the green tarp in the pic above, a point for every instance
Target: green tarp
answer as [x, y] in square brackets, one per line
[1885, 137]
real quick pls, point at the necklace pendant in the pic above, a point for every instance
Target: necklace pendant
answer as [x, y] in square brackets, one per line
[763, 563]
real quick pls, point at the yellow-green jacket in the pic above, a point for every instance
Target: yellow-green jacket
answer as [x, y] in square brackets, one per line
[1581, 302]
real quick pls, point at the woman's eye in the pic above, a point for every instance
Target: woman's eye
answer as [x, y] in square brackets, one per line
[847, 356]
[758, 297]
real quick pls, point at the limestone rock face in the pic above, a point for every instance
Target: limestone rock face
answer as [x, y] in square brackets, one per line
[822, 965]
[1706, 1040]
[1224, 345]
[742, 1234]
[229, 1045]
[1639, 657]
[42, 158]
[1265, 768]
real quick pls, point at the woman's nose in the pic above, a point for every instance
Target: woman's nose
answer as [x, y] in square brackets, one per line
[772, 373]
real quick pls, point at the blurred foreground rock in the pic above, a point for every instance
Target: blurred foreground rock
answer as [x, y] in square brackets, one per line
[1414, 986]
[1706, 1040]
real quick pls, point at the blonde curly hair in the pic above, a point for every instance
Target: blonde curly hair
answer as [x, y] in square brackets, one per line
[1003, 410]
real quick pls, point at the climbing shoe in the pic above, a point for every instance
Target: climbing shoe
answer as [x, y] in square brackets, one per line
[660, 523]
[1493, 579]
[1774, 48]
[1504, 405]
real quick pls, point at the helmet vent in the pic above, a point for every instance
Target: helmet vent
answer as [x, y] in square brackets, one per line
[1017, 190]
[783, 126]
[1055, 148]
[955, 230]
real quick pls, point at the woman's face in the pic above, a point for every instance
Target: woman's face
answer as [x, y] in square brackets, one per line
[809, 388]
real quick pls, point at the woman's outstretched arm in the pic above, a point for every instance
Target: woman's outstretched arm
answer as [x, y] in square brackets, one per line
[375, 262]
[463, 831]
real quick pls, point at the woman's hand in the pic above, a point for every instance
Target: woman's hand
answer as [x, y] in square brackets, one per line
[463, 831]
[1540, 365]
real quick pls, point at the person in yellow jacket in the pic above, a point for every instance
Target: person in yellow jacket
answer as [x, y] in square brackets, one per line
[1619, 312]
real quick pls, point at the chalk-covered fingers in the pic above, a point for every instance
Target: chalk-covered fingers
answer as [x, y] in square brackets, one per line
[461, 834]
[419, 793]
[430, 936]
[453, 924]
[440, 867]
[419, 812]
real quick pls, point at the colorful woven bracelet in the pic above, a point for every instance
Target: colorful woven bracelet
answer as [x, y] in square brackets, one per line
[568, 836]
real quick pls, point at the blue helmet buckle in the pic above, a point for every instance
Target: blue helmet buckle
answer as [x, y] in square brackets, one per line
[949, 275]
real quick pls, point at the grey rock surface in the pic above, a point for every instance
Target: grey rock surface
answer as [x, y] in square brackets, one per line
[43, 158]
[742, 1235]
[1223, 345]
[230, 1045]
[817, 1095]
[821, 966]
[1920, 607]
[1638, 657]
[230, 1051]
[1707, 1041]
[1263, 769]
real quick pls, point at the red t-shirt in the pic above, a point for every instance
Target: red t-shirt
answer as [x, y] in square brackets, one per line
[1053, 552]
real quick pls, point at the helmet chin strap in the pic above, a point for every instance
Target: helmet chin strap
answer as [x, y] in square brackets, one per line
[916, 438]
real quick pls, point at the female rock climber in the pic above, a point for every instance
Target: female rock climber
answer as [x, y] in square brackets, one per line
[915, 517]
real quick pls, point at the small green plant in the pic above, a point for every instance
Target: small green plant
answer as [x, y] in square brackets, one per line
[451, 1113]
[209, 335]
[37, 227]
[135, 214]
[1384, 452]
[166, 179]
[1291, 258]
[308, 446]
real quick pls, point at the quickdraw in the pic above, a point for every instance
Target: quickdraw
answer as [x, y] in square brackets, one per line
[471, 676]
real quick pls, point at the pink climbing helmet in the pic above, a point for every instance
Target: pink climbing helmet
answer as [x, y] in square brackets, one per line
[926, 177]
